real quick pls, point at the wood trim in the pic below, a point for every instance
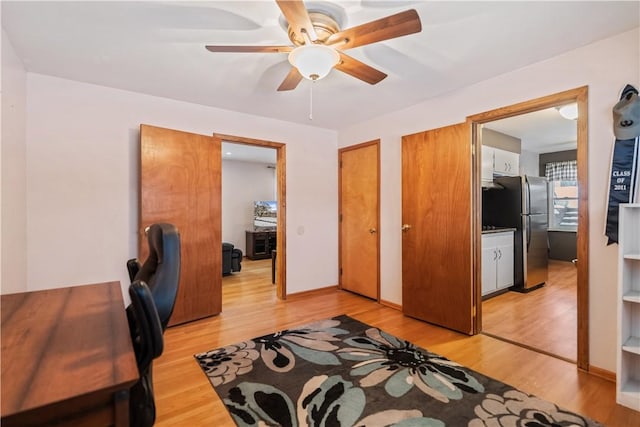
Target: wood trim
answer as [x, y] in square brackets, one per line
[554, 100]
[360, 145]
[304, 294]
[281, 243]
[602, 373]
[391, 305]
[248, 141]
[377, 142]
[476, 225]
[583, 230]
[528, 347]
[580, 96]
[281, 178]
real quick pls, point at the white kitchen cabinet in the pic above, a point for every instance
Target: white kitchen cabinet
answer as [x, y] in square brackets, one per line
[487, 163]
[505, 162]
[497, 261]
[628, 348]
[489, 267]
[499, 162]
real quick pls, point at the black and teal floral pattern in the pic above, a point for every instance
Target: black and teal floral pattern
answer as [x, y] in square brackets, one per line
[314, 343]
[515, 408]
[341, 372]
[324, 401]
[403, 366]
[225, 364]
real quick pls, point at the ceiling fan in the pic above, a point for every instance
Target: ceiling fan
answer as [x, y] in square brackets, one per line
[318, 43]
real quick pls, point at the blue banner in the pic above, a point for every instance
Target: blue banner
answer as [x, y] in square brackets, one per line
[624, 180]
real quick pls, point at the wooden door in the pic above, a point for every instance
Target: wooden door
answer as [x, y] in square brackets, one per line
[437, 245]
[359, 219]
[180, 183]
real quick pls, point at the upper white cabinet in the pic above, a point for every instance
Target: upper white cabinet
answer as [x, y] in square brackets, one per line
[628, 349]
[487, 163]
[505, 162]
[499, 162]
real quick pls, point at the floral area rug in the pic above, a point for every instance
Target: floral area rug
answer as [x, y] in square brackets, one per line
[341, 372]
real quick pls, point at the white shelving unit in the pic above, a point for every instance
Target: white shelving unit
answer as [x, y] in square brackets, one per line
[628, 363]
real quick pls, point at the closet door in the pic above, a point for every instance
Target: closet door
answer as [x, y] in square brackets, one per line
[180, 183]
[437, 246]
[359, 219]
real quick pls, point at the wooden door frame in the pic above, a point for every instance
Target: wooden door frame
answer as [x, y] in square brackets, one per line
[375, 142]
[580, 96]
[281, 236]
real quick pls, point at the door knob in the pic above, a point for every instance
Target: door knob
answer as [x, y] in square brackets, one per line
[373, 231]
[406, 227]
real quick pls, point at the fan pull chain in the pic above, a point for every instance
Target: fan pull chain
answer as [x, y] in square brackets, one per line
[311, 99]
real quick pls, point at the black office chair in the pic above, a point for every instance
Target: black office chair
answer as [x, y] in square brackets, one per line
[148, 343]
[161, 270]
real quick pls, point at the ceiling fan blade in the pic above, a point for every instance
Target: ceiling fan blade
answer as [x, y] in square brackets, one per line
[400, 24]
[298, 18]
[291, 81]
[263, 49]
[359, 70]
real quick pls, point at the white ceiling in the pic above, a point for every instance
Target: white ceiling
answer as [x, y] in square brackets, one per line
[157, 48]
[543, 131]
[248, 153]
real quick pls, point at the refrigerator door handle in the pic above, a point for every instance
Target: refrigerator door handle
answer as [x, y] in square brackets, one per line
[527, 186]
[528, 230]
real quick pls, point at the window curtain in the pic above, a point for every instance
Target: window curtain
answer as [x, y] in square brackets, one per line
[562, 171]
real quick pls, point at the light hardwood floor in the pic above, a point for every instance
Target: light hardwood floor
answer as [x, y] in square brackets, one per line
[544, 319]
[184, 397]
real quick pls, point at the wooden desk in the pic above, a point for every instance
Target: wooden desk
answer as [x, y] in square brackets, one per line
[66, 357]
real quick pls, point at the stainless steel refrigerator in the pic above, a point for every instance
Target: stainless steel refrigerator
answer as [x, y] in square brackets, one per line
[522, 204]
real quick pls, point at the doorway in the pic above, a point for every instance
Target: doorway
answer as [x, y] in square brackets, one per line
[578, 269]
[249, 215]
[279, 264]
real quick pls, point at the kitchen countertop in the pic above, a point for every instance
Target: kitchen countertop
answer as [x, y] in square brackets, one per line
[498, 230]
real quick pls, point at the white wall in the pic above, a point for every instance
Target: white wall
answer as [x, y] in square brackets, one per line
[529, 163]
[242, 184]
[82, 181]
[14, 179]
[605, 66]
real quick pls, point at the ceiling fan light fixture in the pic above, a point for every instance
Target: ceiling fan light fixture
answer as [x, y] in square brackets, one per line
[314, 61]
[569, 111]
